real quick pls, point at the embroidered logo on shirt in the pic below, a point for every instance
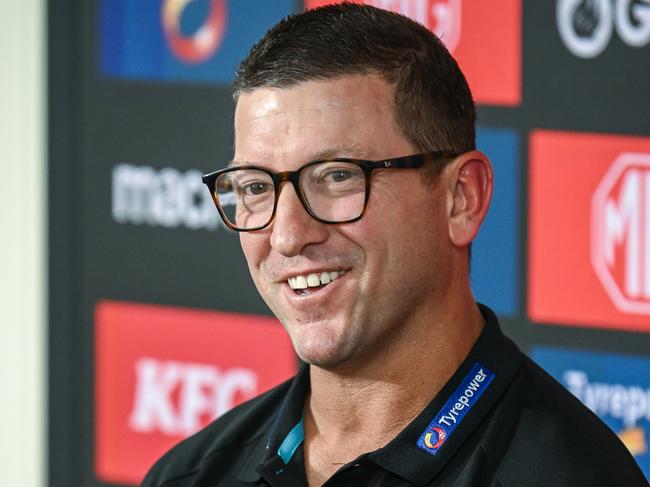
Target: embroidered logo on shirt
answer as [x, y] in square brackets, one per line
[434, 437]
[457, 406]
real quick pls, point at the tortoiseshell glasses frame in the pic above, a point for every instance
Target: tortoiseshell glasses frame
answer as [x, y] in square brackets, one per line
[248, 188]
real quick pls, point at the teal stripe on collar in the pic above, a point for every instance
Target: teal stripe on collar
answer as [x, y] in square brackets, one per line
[291, 443]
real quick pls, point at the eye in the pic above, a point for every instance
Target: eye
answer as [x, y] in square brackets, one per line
[338, 175]
[334, 178]
[255, 188]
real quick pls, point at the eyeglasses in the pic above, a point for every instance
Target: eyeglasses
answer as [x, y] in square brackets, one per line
[332, 190]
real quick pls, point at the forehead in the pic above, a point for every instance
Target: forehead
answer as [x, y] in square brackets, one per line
[352, 113]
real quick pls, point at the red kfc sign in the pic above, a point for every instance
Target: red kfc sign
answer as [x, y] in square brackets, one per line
[590, 230]
[484, 37]
[162, 373]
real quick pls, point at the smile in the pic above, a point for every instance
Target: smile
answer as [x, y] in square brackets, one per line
[301, 282]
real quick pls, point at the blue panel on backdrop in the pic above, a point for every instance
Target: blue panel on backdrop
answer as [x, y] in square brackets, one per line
[495, 253]
[182, 40]
[615, 387]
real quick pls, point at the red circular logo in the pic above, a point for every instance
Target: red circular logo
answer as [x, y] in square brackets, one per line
[435, 437]
[204, 41]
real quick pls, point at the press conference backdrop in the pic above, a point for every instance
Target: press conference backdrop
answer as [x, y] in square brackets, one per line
[155, 325]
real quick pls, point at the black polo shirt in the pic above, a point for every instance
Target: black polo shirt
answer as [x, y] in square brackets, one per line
[499, 421]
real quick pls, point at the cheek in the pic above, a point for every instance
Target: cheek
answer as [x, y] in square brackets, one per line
[374, 248]
[401, 240]
[254, 248]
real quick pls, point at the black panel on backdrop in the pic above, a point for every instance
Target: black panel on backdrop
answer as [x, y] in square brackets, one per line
[582, 71]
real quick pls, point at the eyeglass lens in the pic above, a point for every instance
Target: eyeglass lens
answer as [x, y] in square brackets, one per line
[334, 191]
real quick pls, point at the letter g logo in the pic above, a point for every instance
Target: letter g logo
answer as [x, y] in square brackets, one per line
[585, 27]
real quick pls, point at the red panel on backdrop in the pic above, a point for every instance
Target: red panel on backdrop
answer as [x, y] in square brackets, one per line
[589, 242]
[484, 37]
[162, 373]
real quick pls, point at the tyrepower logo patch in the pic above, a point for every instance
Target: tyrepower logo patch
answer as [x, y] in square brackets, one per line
[615, 387]
[484, 37]
[162, 373]
[455, 409]
[590, 230]
[182, 40]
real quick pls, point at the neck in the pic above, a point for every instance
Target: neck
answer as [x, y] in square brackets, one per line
[347, 403]
[390, 389]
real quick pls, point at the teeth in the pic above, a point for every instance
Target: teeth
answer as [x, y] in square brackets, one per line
[314, 280]
[301, 282]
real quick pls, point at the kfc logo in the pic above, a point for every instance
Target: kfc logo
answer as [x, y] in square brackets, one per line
[484, 37]
[586, 26]
[162, 373]
[620, 247]
[589, 238]
[204, 392]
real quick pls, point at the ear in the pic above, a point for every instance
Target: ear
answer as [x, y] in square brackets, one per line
[471, 181]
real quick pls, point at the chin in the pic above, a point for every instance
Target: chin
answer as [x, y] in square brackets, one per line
[323, 361]
[320, 346]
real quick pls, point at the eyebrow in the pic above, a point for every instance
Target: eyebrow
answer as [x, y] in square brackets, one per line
[351, 151]
[340, 151]
[237, 163]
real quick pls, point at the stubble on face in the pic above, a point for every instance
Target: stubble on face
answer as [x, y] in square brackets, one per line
[387, 274]
[315, 332]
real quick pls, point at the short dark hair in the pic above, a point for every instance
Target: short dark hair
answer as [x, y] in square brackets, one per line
[433, 103]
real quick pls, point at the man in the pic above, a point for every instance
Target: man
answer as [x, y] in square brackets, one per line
[357, 191]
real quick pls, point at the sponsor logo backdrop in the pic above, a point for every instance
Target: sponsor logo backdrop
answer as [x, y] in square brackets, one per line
[614, 386]
[155, 325]
[589, 247]
[162, 373]
[484, 37]
[182, 40]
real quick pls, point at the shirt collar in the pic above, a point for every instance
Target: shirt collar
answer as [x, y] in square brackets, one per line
[493, 351]
[287, 418]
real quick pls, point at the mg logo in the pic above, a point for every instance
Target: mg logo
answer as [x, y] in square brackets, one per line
[620, 233]
[442, 17]
[469, 30]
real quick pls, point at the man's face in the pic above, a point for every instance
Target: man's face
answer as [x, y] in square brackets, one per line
[393, 262]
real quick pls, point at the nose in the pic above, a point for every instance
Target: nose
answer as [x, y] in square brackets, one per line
[293, 228]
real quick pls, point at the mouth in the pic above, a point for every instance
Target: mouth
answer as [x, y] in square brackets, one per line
[308, 283]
